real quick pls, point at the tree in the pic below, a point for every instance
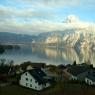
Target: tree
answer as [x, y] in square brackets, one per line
[74, 63]
[10, 63]
[2, 62]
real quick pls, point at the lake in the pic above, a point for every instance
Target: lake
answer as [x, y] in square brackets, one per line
[49, 55]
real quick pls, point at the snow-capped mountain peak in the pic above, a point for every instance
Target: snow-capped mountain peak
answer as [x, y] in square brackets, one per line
[73, 32]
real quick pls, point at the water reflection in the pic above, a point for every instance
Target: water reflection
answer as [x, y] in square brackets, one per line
[60, 55]
[71, 55]
[66, 55]
[50, 55]
[85, 54]
[53, 53]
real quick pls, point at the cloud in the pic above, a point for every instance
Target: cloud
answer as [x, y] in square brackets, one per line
[8, 12]
[39, 26]
[60, 3]
[52, 3]
[36, 16]
[88, 3]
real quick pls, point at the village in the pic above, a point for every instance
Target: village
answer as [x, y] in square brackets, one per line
[42, 79]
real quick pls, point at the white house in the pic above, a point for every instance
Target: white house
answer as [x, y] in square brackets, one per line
[35, 79]
[89, 81]
[90, 78]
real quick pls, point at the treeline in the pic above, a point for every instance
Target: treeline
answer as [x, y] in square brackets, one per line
[8, 47]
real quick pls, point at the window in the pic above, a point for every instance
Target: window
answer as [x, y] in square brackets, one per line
[26, 84]
[35, 81]
[26, 74]
[39, 84]
[35, 87]
[27, 79]
[31, 80]
[30, 85]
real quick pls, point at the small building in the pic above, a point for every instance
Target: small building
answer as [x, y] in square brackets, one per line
[54, 72]
[29, 64]
[35, 79]
[19, 71]
[90, 78]
[29, 67]
[77, 72]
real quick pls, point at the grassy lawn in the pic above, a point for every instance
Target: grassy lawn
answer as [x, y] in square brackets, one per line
[18, 90]
[59, 88]
[78, 89]
[15, 90]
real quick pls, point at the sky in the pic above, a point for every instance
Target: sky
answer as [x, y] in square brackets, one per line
[36, 16]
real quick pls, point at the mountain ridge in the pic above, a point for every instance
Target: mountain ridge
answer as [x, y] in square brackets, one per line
[13, 37]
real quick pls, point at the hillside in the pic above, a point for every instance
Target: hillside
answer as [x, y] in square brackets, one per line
[16, 38]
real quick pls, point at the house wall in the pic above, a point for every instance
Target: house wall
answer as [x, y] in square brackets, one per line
[72, 77]
[88, 81]
[45, 85]
[28, 81]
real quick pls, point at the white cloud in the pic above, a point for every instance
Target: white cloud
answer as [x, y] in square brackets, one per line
[60, 3]
[38, 26]
[52, 3]
[28, 19]
[8, 12]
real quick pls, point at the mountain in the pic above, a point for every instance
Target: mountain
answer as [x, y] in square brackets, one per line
[75, 34]
[15, 38]
[72, 33]
[70, 38]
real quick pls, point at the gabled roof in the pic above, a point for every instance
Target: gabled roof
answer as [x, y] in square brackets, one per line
[39, 75]
[76, 70]
[91, 75]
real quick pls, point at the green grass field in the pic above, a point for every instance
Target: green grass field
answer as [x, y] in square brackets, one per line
[57, 89]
